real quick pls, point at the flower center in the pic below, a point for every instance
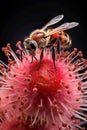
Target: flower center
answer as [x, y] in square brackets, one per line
[45, 79]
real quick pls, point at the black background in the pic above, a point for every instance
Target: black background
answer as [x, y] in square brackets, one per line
[19, 18]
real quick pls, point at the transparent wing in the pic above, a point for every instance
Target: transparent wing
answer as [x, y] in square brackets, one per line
[63, 27]
[53, 21]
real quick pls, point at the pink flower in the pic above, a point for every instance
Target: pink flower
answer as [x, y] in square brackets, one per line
[39, 97]
[16, 125]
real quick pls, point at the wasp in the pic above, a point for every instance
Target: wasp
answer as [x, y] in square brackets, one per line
[47, 37]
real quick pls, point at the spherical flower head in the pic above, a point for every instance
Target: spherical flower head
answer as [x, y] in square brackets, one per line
[41, 96]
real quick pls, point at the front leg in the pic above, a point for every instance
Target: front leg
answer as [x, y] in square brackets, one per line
[41, 57]
[53, 56]
[58, 47]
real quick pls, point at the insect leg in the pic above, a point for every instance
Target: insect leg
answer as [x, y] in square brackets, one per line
[41, 55]
[53, 56]
[21, 53]
[58, 46]
[53, 40]
[35, 58]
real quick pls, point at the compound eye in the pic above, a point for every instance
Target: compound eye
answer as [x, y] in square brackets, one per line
[33, 44]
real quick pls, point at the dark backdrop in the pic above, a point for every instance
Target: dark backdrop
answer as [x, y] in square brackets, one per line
[19, 18]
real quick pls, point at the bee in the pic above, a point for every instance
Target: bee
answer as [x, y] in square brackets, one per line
[49, 38]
